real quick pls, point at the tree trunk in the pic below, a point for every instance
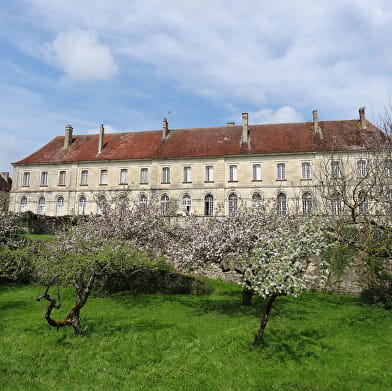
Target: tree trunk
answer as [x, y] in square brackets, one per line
[73, 317]
[247, 295]
[259, 337]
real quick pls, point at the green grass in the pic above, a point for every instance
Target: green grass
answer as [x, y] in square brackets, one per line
[162, 342]
[42, 237]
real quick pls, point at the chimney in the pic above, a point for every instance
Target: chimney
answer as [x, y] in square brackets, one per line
[68, 136]
[230, 123]
[165, 128]
[100, 138]
[316, 127]
[245, 129]
[362, 118]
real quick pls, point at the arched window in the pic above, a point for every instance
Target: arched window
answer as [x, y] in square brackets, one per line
[186, 204]
[233, 204]
[82, 205]
[164, 204]
[60, 206]
[256, 200]
[336, 204]
[306, 204]
[208, 205]
[23, 204]
[101, 204]
[281, 204]
[143, 200]
[41, 206]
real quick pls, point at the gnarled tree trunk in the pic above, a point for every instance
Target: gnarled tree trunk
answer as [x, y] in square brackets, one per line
[73, 317]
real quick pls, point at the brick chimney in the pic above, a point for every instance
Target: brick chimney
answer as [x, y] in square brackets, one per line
[165, 128]
[362, 118]
[315, 122]
[100, 138]
[68, 136]
[245, 128]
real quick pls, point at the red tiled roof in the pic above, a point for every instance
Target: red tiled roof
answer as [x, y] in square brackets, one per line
[211, 142]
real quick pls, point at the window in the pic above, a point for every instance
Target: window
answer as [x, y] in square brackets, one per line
[361, 166]
[23, 204]
[233, 204]
[123, 176]
[306, 204]
[335, 169]
[388, 168]
[82, 205]
[336, 204]
[256, 172]
[187, 175]
[209, 173]
[144, 175]
[41, 206]
[143, 201]
[62, 176]
[165, 204]
[60, 206]
[83, 177]
[44, 178]
[208, 205]
[281, 204]
[363, 203]
[101, 205]
[256, 200]
[306, 170]
[103, 179]
[281, 167]
[26, 179]
[165, 175]
[186, 204]
[233, 173]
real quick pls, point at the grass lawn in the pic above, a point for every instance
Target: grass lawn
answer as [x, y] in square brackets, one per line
[162, 342]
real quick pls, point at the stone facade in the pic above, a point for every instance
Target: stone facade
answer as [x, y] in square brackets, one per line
[206, 171]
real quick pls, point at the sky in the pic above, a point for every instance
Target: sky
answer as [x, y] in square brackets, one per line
[127, 64]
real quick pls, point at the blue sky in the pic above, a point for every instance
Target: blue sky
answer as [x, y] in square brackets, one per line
[128, 64]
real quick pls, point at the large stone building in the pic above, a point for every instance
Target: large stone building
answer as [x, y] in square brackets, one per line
[203, 171]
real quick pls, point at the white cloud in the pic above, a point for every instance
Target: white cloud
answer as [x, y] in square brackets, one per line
[282, 115]
[81, 55]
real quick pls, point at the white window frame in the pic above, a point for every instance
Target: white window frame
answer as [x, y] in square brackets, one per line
[84, 177]
[165, 174]
[362, 168]
[388, 168]
[26, 179]
[306, 170]
[209, 174]
[144, 175]
[124, 176]
[62, 177]
[209, 205]
[187, 174]
[281, 204]
[256, 172]
[233, 203]
[23, 204]
[165, 204]
[281, 171]
[233, 173]
[257, 200]
[103, 177]
[307, 204]
[186, 204]
[60, 206]
[41, 206]
[82, 203]
[336, 205]
[44, 178]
